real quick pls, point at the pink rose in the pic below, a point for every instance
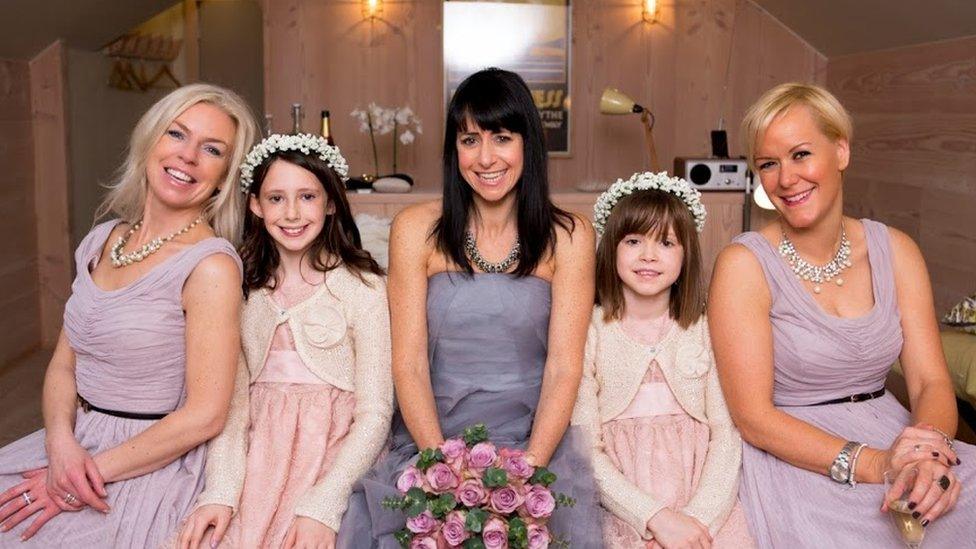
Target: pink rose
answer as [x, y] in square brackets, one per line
[515, 464]
[482, 455]
[539, 502]
[411, 477]
[425, 542]
[495, 534]
[453, 529]
[453, 449]
[505, 500]
[424, 523]
[441, 478]
[471, 493]
[538, 536]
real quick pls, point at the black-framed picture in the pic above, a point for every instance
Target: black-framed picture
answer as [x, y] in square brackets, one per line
[529, 37]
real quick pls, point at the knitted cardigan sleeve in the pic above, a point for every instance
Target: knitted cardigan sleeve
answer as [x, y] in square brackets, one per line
[224, 473]
[369, 321]
[619, 495]
[719, 483]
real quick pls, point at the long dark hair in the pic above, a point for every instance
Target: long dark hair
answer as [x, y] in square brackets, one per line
[499, 100]
[337, 244]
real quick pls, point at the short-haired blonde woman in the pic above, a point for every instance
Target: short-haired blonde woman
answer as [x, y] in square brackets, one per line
[144, 368]
[807, 316]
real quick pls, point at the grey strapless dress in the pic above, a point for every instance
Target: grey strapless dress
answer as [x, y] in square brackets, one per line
[818, 357]
[487, 343]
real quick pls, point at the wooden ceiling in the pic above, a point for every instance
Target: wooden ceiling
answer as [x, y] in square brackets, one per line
[833, 27]
[839, 27]
[28, 26]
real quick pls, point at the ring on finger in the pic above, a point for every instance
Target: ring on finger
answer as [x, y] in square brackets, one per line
[27, 498]
[70, 499]
[944, 483]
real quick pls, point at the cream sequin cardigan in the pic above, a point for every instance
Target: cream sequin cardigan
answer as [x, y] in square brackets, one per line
[342, 333]
[613, 369]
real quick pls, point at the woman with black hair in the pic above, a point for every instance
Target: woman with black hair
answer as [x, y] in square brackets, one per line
[490, 292]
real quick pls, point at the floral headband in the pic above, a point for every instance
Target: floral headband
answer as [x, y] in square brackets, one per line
[305, 142]
[647, 181]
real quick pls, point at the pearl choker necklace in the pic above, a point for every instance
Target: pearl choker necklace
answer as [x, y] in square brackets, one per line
[818, 274]
[471, 249]
[120, 259]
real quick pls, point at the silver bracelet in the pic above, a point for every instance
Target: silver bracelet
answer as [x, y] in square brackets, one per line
[946, 437]
[851, 481]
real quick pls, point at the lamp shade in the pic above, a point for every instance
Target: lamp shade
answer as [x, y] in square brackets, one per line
[761, 199]
[614, 102]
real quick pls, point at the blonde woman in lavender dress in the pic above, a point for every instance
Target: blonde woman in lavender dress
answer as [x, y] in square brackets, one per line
[665, 453]
[803, 360]
[149, 344]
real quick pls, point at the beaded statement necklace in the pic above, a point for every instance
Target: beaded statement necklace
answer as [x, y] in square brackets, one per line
[818, 274]
[471, 250]
[121, 259]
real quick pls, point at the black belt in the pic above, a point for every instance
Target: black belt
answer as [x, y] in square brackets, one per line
[88, 407]
[860, 397]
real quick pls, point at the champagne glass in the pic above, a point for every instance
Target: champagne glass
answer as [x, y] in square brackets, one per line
[909, 529]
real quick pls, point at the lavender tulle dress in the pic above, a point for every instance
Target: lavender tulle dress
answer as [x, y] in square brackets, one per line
[487, 341]
[130, 348]
[818, 357]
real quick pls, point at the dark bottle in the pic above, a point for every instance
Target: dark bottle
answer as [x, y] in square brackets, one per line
[327, 128]
[296, 118]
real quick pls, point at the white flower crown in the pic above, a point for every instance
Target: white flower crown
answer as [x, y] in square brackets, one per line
[646, 181]
[305, 142]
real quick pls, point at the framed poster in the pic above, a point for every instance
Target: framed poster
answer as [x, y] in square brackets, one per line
[529, 37]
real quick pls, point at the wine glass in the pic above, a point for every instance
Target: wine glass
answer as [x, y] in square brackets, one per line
[909, 528]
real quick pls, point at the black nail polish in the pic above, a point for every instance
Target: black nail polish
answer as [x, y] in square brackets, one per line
[925, 523]
[911, 505]
[957, 461]
[916, 514]
[935, 454]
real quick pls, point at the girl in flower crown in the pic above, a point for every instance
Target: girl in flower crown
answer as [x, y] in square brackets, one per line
[314, 393]
[665, 453]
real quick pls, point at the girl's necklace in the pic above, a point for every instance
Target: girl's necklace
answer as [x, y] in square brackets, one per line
[648, 332]
[121, 259]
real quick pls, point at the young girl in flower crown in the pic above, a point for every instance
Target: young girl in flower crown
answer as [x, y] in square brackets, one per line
[665, 453]
[314, 393]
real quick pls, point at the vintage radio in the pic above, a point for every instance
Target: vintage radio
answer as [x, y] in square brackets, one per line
[713, 174]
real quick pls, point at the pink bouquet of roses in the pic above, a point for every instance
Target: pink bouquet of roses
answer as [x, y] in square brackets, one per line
[470, 494]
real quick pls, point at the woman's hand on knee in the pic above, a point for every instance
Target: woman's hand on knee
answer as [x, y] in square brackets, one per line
[308, 533]
[73, 479]
[195, 527]
[25, 499]
[935, 492]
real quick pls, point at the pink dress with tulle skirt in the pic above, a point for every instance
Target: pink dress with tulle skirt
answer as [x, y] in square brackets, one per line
[662, 450]
[297, 426]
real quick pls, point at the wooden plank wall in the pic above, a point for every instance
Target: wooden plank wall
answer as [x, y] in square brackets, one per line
[20, 323]
[51, 187]
[914, 151]
[325, 55]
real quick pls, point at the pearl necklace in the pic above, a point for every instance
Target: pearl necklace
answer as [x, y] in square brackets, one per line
[120, 259]
[818, 273]
[471, 250]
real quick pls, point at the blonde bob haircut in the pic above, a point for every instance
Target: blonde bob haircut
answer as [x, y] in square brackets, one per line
[832, 118]
[224, 211]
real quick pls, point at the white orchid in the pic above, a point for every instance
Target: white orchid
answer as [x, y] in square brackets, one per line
[406, 137]
[402, 122]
